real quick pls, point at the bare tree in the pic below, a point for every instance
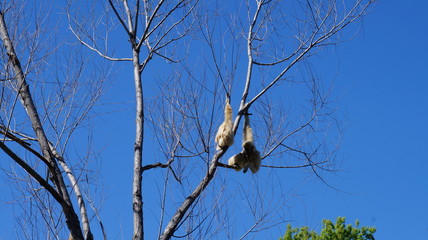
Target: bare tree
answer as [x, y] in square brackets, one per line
[54, 105]
[257, 50]
[270, 58]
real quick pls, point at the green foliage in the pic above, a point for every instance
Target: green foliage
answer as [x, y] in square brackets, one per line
[331, 231]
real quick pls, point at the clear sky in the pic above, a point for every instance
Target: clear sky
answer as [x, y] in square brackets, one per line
[381, 91]
[383, 88]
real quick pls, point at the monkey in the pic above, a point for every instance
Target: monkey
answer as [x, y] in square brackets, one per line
[249, 157]
[253, 157]
[239, 160]
[225, 134]
[249, 149]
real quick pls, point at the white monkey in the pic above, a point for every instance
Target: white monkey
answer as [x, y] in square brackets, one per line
[239, 160]
[249, 157]
[225, 135]
[249, 149]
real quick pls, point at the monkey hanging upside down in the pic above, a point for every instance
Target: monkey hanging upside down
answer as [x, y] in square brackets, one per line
[249, 157]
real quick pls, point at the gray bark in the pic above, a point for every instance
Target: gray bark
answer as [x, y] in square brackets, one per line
[29, 106]
[137, 196]
[188, 202]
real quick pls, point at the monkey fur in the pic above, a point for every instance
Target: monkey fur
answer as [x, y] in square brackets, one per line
[252, 156]
[239, 160]
[225, 135]
[249, 157]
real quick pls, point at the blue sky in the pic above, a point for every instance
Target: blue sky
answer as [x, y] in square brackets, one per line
[380, 90]
[383, 86]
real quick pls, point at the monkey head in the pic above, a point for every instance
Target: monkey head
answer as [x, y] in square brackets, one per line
[248, 146]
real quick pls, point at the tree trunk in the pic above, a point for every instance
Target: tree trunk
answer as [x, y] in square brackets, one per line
[27, 101]
[137, 198]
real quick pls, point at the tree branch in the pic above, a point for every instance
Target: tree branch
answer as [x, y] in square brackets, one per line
[33, 174]
[95, 49]
[120, 19]
[178, 216]
[30, 108]
[77, 192]
[298, 166]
